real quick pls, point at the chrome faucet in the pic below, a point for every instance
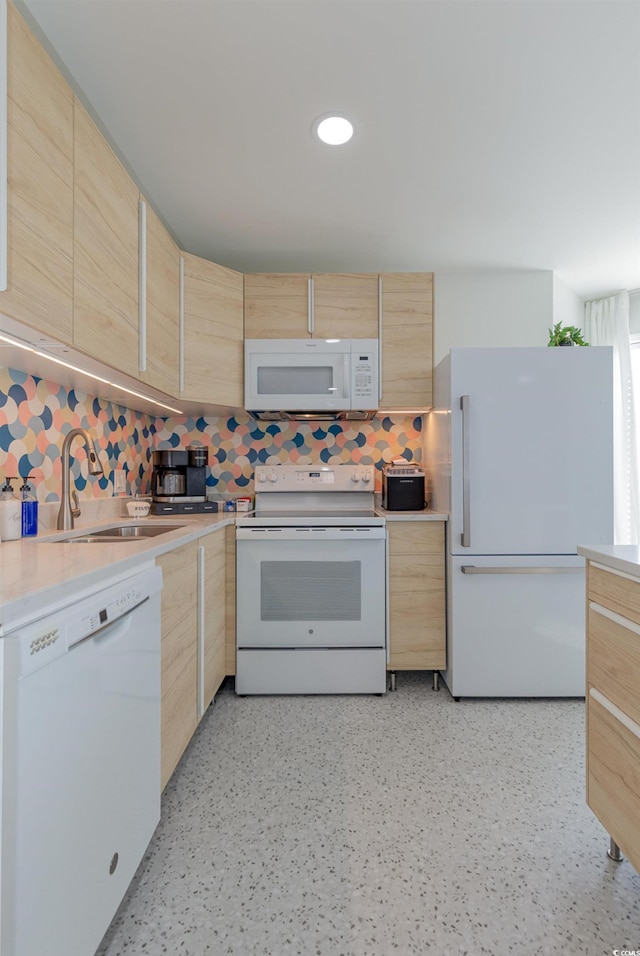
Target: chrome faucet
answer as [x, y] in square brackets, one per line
[67, 511]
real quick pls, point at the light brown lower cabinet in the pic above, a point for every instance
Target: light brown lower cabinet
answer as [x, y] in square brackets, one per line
[194, 638]
[230, 544]
[212, 609]
[417, 636]
[613, 708]
[179, 707]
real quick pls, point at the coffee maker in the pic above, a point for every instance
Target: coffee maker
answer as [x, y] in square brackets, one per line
[178, 483]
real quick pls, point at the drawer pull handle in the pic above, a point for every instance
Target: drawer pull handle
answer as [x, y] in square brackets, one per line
[616, 618]
[615, 712]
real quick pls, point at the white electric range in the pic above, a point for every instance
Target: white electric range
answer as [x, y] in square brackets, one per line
[311, 606]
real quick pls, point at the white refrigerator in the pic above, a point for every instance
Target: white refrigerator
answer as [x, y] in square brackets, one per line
[519, 450]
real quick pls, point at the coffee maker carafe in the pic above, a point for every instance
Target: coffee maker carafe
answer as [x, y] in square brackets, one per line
[179, 480]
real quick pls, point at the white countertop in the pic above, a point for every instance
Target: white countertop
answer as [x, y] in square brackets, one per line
[426, 514]
[618, 557]
[36, 572]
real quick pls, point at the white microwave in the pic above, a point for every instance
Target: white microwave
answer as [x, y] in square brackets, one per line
[311, 378]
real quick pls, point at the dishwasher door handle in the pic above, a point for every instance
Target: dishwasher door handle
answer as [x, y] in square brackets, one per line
[108, 624]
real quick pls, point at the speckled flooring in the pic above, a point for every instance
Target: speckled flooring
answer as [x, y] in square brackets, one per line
[368, 826]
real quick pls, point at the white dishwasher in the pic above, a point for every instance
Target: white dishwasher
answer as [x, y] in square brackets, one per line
[80, 763]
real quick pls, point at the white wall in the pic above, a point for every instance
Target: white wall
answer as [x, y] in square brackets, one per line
[475, 309]
[568, 306]
[634, 313]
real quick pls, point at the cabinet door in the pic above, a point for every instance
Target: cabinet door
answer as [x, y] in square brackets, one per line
[345, 306]
[406, 349]
[162, 333]
[213, 606]
[276, 306]
[230, 575]
[613, 776]
[40, 187]
[105, 319]
[417, 638]
[179, 654]
[213, 333]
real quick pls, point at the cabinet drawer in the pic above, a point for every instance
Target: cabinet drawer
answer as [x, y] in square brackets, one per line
[613, 778]
[614, 661]
[416, 537]
[615, 592]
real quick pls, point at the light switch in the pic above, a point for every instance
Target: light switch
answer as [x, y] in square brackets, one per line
[119, 482]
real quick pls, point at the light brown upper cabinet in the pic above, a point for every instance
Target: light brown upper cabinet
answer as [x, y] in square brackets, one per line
[406, 347]
[105, 319]
[299, 305]
[160, 311]
[213, 358]
[276, 306]
[40, 187]
[345, 306]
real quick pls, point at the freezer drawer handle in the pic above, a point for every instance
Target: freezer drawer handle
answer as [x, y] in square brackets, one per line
[472, 569]
[465, 537]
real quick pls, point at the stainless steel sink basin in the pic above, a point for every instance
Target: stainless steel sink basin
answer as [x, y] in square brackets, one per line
[124, 532]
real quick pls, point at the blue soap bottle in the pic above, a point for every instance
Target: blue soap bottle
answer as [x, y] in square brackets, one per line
[29, 509]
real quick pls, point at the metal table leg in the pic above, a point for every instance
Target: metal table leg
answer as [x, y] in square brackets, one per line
[436, 680]
[614, 851]
[392, 680]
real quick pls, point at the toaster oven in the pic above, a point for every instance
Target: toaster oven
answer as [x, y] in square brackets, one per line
[403, 487]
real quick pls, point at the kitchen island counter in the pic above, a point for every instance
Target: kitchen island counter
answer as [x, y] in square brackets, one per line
[618, 557]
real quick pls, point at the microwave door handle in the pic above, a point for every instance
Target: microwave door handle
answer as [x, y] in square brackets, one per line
[346, 367]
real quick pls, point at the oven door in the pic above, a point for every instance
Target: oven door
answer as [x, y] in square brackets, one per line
[311, 587]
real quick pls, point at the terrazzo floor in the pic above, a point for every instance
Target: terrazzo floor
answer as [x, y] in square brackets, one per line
[372, 826]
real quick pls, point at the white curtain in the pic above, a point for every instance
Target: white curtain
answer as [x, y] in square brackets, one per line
[607, 323]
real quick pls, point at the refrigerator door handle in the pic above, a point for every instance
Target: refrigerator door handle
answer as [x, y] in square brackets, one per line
[472, 569]
[465, 537]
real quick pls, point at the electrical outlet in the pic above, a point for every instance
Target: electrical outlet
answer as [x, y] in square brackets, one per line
[119, 482]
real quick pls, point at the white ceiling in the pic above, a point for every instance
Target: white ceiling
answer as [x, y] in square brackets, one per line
[490, 135]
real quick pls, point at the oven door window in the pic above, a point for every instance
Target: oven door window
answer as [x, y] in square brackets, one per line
[311, 594]
[310, 590]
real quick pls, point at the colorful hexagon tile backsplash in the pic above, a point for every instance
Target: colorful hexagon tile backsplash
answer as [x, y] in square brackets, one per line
[35, 415]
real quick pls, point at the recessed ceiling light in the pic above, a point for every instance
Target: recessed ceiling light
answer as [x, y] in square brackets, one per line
[333, 129]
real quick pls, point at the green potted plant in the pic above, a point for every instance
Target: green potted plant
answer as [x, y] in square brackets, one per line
[565, 335]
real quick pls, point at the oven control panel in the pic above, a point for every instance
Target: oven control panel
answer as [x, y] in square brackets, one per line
[314, 478]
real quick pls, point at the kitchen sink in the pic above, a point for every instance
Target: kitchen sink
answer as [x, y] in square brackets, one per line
[123, 532]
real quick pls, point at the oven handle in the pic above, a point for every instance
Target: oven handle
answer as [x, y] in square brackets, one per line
[319, 535]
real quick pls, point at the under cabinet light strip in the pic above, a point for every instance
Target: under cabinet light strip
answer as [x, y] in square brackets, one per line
[3, 145]
[97, 378]
[142, 286]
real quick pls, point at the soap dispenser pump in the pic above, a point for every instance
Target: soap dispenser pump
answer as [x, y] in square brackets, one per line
[29, 509]
[10, 512]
